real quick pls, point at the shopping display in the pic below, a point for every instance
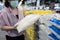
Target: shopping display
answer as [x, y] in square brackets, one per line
[42, 29]
[50, 25]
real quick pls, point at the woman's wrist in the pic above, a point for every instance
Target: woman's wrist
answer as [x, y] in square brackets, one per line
[12, 28]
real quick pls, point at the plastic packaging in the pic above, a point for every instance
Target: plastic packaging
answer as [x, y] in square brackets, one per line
[27, 21]
[50, 26]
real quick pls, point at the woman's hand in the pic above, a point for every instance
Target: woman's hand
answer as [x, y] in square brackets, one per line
[15, 27]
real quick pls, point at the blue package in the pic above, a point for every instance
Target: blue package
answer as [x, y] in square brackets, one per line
[55, 21]
[55, 29]
[53, 36]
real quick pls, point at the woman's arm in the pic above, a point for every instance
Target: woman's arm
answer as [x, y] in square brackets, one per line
[7, 28]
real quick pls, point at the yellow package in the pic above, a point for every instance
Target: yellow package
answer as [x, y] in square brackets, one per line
[30, 33]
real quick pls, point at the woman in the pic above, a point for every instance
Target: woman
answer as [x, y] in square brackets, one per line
[10, 15]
